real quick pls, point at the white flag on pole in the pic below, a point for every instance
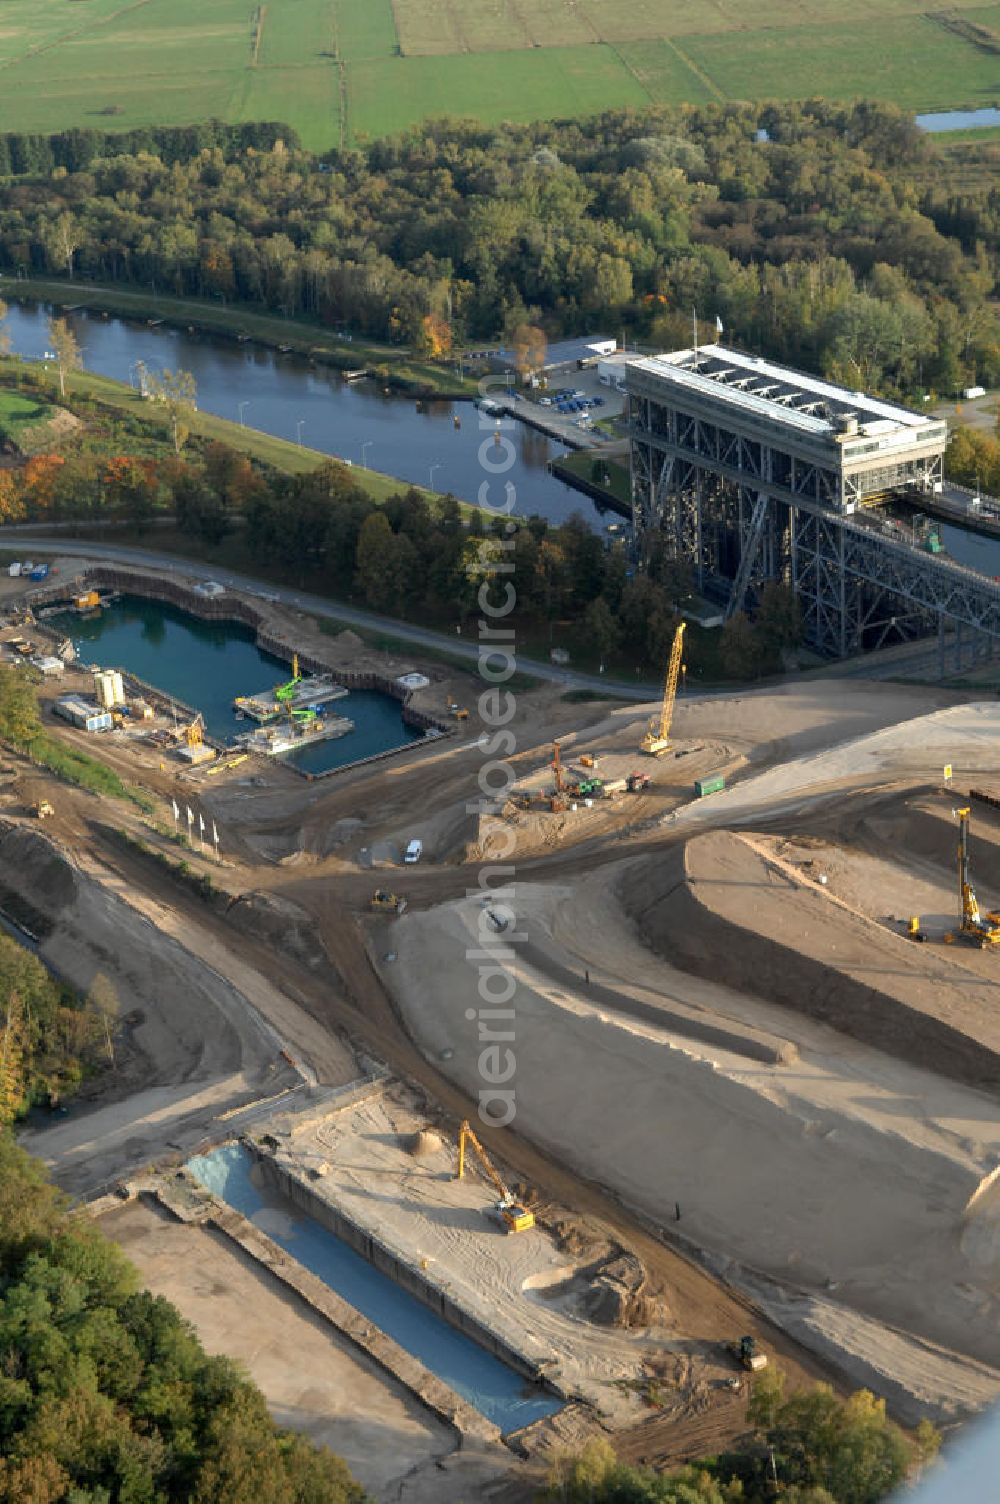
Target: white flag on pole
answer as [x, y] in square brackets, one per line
[718, 324]
[190, 814]
[215, 834]
[177, 813]
[201, 822]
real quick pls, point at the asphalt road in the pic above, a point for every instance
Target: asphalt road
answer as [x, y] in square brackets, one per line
[458, 647]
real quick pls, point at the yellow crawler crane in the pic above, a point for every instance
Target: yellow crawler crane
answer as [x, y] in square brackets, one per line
[513, 1216]
[657, 738]
[195, 733]
[977, 928]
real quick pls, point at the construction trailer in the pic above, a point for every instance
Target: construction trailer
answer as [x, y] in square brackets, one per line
[751, 472]
[83, 714]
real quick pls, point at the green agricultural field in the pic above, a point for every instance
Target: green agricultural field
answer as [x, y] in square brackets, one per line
[341, 70]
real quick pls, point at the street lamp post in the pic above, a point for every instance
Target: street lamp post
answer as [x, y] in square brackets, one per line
[436, 466]
[243, 407]
[300, 424]
[364, 452]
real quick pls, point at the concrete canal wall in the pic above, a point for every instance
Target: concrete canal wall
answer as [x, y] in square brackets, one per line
[189, 1202]
[408, 1276]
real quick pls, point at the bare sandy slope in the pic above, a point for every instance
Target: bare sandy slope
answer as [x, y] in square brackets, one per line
[825, 1173]
[313, 1379]
[967, 736]
[796, 719]
[727, 910]
[200, 1034]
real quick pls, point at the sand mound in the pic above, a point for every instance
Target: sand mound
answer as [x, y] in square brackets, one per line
[285, 924]
[424, 1142]
[31, 864]
[348, 641]
[719, 909]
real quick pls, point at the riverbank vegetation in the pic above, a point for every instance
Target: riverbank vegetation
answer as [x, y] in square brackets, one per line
[106, 1392]
[825, 234]
[115, 421]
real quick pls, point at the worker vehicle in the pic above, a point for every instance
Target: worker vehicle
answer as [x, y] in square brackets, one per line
[657, 738]
[381, 899]
[508, 1211]
[975, 927]
[614, 786]
[637, 783]
[42, 810]
[413, 852]
[459, 712]
[748, 1354]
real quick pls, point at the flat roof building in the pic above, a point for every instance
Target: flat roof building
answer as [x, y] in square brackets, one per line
[807, 436]
[751, 472]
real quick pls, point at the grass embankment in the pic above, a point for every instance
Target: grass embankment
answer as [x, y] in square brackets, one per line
[279, 454]
[78, 767]
[591, 468]
[21, 727]
[22, 416]
[395, 366]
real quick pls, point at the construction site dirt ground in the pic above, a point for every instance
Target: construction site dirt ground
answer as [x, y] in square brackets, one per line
[803, 1161]
[569, 1301]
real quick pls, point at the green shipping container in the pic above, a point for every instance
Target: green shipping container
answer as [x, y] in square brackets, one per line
[705, 786]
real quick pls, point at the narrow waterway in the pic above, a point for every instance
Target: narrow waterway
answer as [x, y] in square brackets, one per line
[355, 421]
[941, 121]
[495, 1390]
[206, 664]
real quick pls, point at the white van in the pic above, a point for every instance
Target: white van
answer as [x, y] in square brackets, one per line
[414, 851]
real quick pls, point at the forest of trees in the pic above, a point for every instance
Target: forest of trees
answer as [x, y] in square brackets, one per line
[826, 234]
[48, 1035]
[106, 1394]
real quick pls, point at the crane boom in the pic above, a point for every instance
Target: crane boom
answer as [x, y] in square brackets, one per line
[516, 1218]
[657, 738]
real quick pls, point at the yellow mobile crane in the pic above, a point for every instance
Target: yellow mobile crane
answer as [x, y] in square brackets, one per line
[979, 929]
[657, 738]
[515, 1218]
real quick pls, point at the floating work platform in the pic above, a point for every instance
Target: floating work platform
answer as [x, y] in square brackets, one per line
[308, 694]
[275, 741]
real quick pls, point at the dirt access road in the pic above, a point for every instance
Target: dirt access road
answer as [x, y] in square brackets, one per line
[283, 852]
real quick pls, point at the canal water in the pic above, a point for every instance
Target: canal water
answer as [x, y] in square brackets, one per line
[974, 550]
[495, 1390]
[205, 664]
[354, 421]
[958, 120]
